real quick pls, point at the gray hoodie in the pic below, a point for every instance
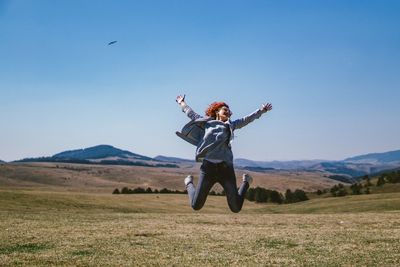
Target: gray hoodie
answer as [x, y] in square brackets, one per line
[212, 137]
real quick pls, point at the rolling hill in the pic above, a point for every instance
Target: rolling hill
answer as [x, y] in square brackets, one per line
[351, 167]
[99, 152]
[62, 176]
[373, 158]
[347, 171]
[102, 154]
[286, 165]
[173, 159]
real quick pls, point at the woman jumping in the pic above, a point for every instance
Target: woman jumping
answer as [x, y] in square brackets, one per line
[212, 135]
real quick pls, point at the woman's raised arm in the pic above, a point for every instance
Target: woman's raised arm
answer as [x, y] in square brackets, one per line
[186, 109]
[239, 123]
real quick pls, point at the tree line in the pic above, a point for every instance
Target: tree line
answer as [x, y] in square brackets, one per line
[391, 177]
[263, 195]
[258, 194]
[140, 190]
[359, 188]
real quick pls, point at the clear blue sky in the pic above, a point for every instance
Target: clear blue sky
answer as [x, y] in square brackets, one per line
[330, 68]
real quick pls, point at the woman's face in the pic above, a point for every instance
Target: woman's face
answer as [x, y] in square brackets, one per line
[223, 114]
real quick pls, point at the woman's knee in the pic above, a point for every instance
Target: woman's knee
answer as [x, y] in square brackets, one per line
[198, 202]
[197, 206]
[235, 209]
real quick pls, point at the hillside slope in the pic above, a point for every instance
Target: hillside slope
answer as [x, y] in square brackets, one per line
[98, 152]
[102, 154]
[105, 178]
[348, 170]
[385, 157]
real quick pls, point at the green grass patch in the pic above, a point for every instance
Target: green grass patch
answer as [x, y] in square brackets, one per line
[275, 243]
[24, 248]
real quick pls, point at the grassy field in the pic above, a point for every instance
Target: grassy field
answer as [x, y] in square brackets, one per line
[87, 229]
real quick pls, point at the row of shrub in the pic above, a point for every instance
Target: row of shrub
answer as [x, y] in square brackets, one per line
[258, 194]
[391, 177]
[140, 190]
[262, 195]
[340, 190]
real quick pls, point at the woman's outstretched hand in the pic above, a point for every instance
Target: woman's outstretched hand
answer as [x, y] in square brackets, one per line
[180, 99]
[266, 107]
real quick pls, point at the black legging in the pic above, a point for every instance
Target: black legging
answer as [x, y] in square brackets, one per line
[211, 173]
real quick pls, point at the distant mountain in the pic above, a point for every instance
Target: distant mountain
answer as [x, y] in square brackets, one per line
[256, 169]
[373, 158]
[342, 170]
[346, 171]
[102, 154]
[173, 159]
[99, 152]
[285, 165]
[1, 161]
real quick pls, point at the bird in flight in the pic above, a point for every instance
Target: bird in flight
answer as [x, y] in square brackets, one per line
[113, 42]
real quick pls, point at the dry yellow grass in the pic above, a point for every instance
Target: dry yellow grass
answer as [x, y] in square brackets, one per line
[43, 228]
[103, 178]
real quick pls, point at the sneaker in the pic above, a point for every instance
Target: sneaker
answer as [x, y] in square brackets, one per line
[247, 178]
[188, 180]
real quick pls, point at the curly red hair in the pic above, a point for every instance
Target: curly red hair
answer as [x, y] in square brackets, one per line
[214, 107]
